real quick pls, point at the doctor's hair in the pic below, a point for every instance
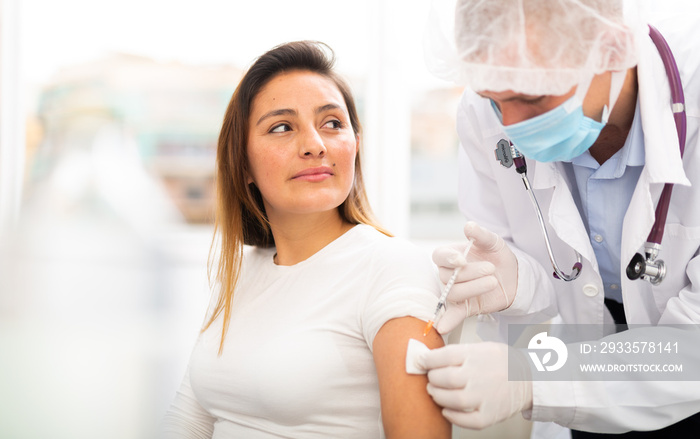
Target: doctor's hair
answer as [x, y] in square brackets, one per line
[240, 213]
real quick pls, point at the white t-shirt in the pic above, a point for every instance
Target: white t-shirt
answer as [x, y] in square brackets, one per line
[297, 360]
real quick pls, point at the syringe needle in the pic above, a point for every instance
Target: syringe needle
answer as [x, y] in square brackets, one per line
[446, 291]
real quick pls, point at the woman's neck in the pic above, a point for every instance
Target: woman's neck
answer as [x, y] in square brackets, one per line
[298, 237]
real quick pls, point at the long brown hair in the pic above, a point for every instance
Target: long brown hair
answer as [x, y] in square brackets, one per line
[240, 213]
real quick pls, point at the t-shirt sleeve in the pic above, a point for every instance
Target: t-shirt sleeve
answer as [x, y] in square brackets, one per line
[186, 418]
[403, 282]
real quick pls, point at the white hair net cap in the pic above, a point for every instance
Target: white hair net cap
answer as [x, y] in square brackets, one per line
[535, 47]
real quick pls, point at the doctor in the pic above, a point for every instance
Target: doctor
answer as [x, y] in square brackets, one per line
[580, 90]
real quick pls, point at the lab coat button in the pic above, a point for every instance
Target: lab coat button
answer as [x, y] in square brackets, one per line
[590, 290]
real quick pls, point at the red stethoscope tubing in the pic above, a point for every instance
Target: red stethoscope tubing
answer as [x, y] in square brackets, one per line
[678, 106]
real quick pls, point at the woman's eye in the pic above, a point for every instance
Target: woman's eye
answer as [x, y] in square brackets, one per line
[336, 124]
[281, 128]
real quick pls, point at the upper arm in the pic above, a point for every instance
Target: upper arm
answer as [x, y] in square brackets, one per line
[186, 418]
[407, 409]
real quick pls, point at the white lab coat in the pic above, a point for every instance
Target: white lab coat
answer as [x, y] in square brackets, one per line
[494, 196]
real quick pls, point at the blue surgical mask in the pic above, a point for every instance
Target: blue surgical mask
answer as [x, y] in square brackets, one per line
[560, 134]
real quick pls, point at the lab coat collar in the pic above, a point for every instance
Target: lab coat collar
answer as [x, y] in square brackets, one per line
[545, 175]
[562, 215]
[662, 154]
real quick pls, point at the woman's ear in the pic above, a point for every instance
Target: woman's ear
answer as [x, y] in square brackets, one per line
[357, 143]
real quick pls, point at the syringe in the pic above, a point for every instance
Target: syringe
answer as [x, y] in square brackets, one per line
[446, 291]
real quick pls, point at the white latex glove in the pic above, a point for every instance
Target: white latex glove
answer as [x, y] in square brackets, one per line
[487, 281]
[471, 382]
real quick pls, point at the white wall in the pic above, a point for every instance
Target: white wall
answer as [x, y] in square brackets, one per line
[11, 120]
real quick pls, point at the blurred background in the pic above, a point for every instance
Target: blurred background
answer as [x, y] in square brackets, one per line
[109, 116]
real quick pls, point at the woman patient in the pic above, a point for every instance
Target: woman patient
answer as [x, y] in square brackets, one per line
[315, 303]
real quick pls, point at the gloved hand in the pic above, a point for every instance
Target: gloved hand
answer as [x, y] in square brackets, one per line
[471, 382]
[487, 281]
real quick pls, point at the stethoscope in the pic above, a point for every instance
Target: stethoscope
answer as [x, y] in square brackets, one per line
[647, 266]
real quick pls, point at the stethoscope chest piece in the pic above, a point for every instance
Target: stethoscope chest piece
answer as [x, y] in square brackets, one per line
[647, 268]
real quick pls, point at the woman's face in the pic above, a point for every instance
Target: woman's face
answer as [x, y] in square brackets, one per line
[301, 146]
